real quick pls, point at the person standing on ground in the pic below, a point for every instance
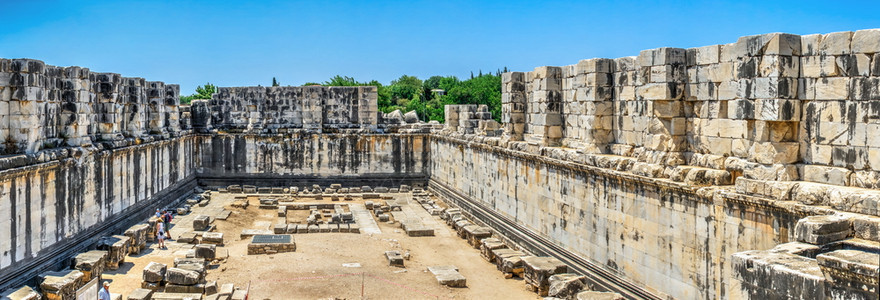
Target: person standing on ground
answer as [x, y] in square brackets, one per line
[160, 233]
[166, 218]
[104, 294]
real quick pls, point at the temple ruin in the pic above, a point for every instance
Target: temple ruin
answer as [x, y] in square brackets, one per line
[742, 170]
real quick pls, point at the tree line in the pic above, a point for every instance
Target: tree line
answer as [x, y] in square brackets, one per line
[409, 93]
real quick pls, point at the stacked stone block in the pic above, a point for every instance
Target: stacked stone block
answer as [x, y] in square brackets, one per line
[840, 77]
[47, 106]
[587, 106]
[108, 109]
[135, 106]
[544, 106]
[280, 109]
[172, 108]
[155, 107]
[662, 73]
[767, 67]
[630, 114]
[513, 105]
[471, 119]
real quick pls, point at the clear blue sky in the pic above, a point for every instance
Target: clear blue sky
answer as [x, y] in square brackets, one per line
[234, 44]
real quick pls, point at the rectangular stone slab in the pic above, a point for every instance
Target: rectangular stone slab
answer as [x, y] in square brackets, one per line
[271, 239]
[448, 276]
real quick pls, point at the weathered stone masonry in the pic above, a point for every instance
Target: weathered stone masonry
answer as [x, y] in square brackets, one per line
[745, 170]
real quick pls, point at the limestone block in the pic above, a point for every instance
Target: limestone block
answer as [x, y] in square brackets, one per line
[779, 66]
[775, 87]
[662, 56]
[62, 285]
[181, 277]
[154, 272]
[538, 270]
[864, 88]
[818, 66]
[777, 109]
[706, 55]
[829, 175]
[823, 229]
[792, 275]
[866, 41]
[394, 258]
[865, 179]
[91, 263]
[667, 109]
[117, 247]
[22, 293]
[448, 276]
[566, 285]
[780, 172]
[810, 193]
[660, 91]
[212, 238]
[810, 44]
[771, 43]
[774, 152]
[850, 65]
[836, 43]
[206, 251]
[201, 222]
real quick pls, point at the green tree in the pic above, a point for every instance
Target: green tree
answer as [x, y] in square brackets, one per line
[202, 92]
[405, 87]
[275, 82]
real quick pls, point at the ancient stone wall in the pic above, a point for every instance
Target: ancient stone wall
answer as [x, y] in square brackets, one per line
[666, 236]
[50, 202]
[279, 109]
[661, 168]
[776, 107]
[46, 106]
[281, 160]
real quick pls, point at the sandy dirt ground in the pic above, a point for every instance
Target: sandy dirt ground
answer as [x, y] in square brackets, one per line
[330, 265]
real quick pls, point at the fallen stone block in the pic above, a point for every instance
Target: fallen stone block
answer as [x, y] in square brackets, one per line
[211, 288]
[448, 276]
[488, 247]
[181, 276]
[201, 222]
[206, 251]
[475, 235]
[62, 285]
[154, 272]
[117, 249]
[823, 229]
[182, 211]
[537, 271]
[22, 293]
[279, 228]
[394, 258]
[215, 238]
[91, 263]
[566, 285]
[855, 272]
[509, 261]
[140, 294]
[223, 215]
[138, 235]
[189, 289]
[354, 228]
[226, 289]
[187, 238]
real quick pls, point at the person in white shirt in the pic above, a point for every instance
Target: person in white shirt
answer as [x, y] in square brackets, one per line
[104, 294]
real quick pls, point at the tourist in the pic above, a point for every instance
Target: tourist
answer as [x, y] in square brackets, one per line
[166, 218]
[160, 232]
[158, 214]
[104, 294]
